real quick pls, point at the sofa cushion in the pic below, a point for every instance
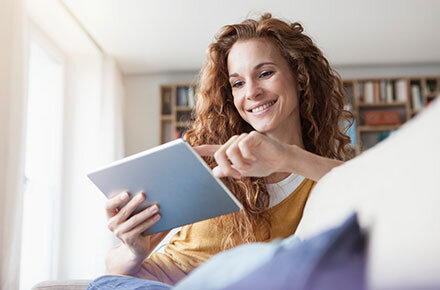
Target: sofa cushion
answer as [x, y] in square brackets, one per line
[62, 285]
[334, 259]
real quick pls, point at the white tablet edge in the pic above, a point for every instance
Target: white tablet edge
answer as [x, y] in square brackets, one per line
[137, 155]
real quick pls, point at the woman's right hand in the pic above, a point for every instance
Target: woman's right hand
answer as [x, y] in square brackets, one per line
[129, 228]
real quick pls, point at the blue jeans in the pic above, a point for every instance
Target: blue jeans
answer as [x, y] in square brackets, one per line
[110, 282]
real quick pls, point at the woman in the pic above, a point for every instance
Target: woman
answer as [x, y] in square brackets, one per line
[267, 122]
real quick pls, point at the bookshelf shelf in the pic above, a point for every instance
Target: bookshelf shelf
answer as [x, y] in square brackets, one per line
[433, 94]
[184, 124]
[166, 117]
[382, 104]
[184, 108]
[378, 128]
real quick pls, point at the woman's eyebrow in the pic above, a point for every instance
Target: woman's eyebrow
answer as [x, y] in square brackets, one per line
[255, 67]
[263, 63]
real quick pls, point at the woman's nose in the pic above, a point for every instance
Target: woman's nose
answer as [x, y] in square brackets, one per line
[253, 90]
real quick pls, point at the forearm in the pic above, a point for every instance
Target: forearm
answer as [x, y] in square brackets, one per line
[307, 164]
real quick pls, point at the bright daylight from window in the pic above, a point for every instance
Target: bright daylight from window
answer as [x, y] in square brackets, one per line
[42, 168]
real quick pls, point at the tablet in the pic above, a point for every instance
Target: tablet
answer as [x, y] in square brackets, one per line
[174, 176]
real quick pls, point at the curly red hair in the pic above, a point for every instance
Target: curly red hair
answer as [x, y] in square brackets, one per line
[321, 101]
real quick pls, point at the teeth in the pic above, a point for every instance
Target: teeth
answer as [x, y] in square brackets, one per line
[260, 108]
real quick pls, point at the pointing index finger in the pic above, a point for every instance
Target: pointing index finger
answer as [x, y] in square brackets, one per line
[206, 150]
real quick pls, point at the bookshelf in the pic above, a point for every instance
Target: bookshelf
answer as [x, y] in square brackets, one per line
[379, 105]
[176, 106]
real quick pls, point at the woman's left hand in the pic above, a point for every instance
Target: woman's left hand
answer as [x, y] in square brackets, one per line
[252, 154]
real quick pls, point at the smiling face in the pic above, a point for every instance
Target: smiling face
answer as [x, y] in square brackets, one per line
[264, 88]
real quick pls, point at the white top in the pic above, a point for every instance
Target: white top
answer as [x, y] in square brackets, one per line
[280, 190]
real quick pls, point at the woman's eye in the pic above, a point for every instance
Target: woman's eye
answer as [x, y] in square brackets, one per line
[237, 84]
[266, 73]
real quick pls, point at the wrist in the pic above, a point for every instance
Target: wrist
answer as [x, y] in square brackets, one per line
[135, 256]
[289, 159]
[124, 261]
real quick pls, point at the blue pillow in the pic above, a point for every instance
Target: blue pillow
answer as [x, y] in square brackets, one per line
[334, 259]
[231, 266]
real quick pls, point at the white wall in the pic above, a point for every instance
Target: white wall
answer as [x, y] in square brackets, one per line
[397, 70]
[141, 116]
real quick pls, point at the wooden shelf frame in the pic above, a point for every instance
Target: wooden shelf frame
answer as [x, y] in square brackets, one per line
[366, 128]
[169, 124]
[382, 104]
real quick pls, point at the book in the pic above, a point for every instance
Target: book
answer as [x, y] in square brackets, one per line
[401, 91]
[166, 103]
[182, 96]
[383, 93]
[174, 176]
[376, 92]
[191, 96]
[360, 92]
[416, 97]
[369, 93]
[389, 92]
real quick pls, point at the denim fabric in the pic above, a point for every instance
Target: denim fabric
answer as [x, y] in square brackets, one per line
[334, 259]
[111, 282]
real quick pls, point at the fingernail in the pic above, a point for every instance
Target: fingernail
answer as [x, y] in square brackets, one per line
[124, 195]
[140, 196]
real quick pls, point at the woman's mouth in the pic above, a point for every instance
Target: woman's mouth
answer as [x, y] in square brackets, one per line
[262, 108]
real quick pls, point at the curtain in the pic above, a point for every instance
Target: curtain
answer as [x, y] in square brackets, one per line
[12, 96]
[93, 138]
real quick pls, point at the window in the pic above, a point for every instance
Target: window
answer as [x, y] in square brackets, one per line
[42, 165]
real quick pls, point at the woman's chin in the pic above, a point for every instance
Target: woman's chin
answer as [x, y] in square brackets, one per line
[262, 128]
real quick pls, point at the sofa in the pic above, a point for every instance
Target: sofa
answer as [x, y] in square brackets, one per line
[62, 285]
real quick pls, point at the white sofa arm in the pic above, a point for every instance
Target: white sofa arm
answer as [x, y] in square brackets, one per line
[62, 285]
